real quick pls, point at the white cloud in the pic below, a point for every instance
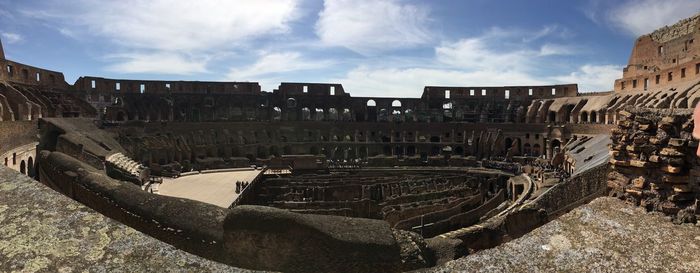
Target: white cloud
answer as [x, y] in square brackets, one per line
[392, 82]
[275, 63]
[644, 16]
[499, 57]
[11, 38]
[157, 63]
[172, 25]
[495, 51]
[370, 26]
[167, 36]
[593, 77]
[556, 49]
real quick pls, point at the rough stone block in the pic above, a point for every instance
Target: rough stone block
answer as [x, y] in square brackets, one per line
[671, 119]
[639, 182]
[671, 169]
[626, 114]
[671, 151]
[676, 142]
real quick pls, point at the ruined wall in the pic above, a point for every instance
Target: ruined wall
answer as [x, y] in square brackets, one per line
[26, 74]
[663, 58]
[654, 163]
[573, 191]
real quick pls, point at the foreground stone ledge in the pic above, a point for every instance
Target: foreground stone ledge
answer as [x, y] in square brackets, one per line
[603, 236]
[268, 238]
[44, 231]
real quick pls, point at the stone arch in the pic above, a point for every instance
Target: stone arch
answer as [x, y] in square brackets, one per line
[594, 117]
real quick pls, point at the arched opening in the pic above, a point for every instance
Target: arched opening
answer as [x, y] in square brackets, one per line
[371, 110]
[30, 166]
[396, 103]
[319, 115]
[305, 113]
[276, 113]
[332, 114]
[555, 146]
[291, 103]
[594, 117]
[396, 115]
[387, 150]
[23, 167]
[411, 150]
[459, 150]
[509, 143]
[566, 117]
[536, 150]
[527, 150]
[398, 151]
[552, 116]
[408, 115]
[383, 115]
[584, 117]
[347, 115]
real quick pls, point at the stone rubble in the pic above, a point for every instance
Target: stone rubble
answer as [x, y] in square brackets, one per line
[654, 163]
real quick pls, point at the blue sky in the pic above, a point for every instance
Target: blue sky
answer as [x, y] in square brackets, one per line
[372, 47]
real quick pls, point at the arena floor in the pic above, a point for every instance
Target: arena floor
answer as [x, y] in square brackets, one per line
[217, 188]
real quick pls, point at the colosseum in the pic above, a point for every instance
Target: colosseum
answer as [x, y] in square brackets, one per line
[132, 175]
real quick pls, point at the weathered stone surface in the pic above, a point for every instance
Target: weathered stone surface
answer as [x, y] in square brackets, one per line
[43, 231]
[603, 236]
[268, 238]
